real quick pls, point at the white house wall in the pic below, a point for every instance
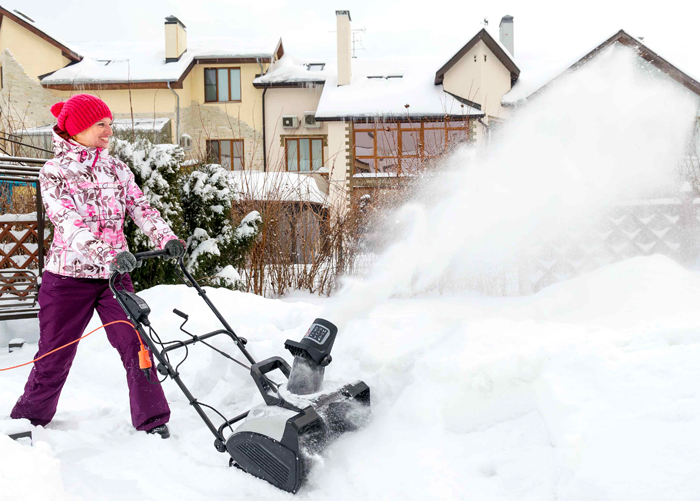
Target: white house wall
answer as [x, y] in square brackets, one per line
[281, 102]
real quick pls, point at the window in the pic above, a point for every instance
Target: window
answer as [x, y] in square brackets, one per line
[227, 152]
[222, 85]
[401, 147]
[304, 154]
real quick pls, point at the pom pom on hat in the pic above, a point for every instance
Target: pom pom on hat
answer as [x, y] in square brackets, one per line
[56, 109]
[79, 113]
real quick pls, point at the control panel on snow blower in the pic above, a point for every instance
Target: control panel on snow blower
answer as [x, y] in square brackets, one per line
[316, 345]
[136, 306]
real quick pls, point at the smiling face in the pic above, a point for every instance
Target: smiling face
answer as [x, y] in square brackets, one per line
[96, 136]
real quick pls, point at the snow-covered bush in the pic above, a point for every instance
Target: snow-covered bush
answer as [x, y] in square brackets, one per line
[157, 170]
[216, 248]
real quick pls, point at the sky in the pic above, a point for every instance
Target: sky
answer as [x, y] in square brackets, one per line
[544, 29]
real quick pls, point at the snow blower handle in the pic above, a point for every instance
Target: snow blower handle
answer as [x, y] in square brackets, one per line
[140, 256]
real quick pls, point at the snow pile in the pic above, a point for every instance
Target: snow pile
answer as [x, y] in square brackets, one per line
[587, 390]
[30, 473]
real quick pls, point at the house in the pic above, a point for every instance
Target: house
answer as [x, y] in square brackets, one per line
[203, 86]
[367, 122]
[353, 126]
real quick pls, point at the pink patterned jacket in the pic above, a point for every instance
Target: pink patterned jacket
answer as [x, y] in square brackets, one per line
[87, 194]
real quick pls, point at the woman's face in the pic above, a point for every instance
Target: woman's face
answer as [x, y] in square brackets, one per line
[96, 136]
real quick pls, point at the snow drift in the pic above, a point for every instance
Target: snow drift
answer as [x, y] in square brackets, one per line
[587, 390]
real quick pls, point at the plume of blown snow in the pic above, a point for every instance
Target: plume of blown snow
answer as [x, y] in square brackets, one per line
[614, 128]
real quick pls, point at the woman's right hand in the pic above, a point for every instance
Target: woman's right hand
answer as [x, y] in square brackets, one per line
[124, 262]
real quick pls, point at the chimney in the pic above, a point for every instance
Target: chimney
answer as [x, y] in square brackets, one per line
[175, 39]
[344, 46]
[505, 35]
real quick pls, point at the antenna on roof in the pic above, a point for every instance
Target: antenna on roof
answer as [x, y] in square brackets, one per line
[24, 16]
[357, 40]
[485, 22]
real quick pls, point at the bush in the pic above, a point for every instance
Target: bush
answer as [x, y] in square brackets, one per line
[216, 249]
[158, 174]
[197, 206]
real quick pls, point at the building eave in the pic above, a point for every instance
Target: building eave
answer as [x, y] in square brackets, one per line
[398, 118]
[623, 38]
[288, 85]
[153, 84]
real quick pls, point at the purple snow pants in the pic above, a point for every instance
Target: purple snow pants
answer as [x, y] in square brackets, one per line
[66, 306]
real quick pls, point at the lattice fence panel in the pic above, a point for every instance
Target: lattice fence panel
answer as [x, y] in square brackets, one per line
[19, 248]
[665, 226]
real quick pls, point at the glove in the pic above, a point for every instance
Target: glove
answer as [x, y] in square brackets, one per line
[175, 248]
[124, 262]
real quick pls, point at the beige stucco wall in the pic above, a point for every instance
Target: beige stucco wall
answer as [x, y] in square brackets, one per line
[281, 102]
[36, 55]
[483, 82]
[339, 165]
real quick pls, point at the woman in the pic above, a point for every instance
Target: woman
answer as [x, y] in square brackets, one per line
[87, 194]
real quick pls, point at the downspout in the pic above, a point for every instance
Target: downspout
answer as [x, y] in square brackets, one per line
[263, 117]
[177, 120]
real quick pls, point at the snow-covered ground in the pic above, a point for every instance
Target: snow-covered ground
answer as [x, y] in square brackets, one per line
[588, 390]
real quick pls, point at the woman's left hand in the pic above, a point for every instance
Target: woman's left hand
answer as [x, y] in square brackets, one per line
[175, 248]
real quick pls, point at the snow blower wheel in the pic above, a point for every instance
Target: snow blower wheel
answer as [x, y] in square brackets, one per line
[275, 440]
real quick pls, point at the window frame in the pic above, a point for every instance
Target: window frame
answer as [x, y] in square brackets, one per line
[231, 141]
[216, 72]
[408, 126]
[311, 158]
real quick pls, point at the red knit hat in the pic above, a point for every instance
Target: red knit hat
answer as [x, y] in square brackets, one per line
[80, 112]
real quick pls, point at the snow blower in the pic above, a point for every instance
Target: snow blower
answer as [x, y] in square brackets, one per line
[276, 440]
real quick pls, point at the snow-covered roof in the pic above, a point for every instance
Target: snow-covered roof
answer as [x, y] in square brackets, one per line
[139, 124]
[384, 87]
[144, 60]
[18, 14]
[540, 68]
[291, 71]
[283, 186]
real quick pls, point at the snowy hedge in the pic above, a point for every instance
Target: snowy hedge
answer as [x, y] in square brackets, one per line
[216, 249]
[197, 206]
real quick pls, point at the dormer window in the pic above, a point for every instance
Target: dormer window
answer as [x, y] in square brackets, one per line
[315, 66]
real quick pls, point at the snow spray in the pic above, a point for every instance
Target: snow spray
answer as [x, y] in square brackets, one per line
[616, 127]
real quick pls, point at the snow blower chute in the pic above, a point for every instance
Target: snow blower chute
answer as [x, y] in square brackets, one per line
[275, 440]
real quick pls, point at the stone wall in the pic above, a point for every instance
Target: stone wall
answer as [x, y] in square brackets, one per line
[24, 102]
[211, 122]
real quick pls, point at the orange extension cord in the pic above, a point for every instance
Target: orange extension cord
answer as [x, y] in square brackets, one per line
[144, 358]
